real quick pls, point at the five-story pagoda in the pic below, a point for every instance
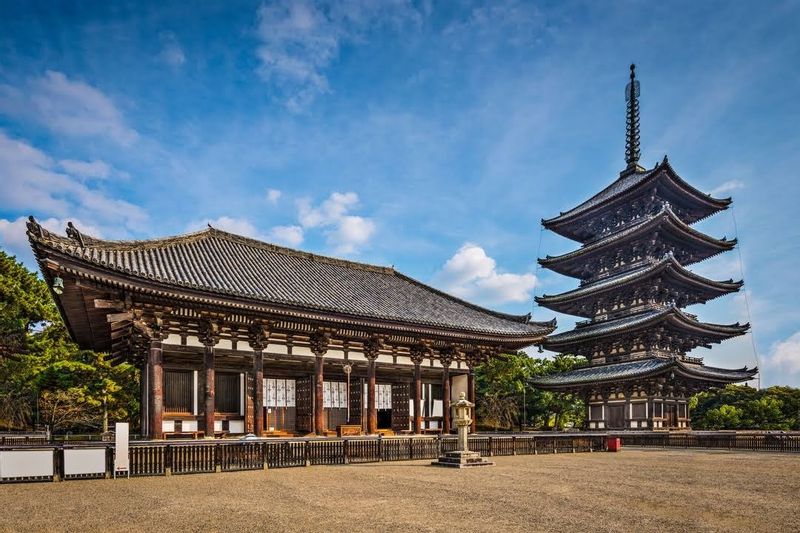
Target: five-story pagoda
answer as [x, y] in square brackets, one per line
[637, 241]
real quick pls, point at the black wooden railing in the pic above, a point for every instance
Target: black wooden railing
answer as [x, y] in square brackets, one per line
[769, 442]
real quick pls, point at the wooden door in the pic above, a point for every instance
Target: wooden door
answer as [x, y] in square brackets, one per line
[401, 394]
[671, 415]
[356, 400]
[616, 416]
[304, 395]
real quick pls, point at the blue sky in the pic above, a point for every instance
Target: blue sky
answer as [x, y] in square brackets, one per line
[429, 136]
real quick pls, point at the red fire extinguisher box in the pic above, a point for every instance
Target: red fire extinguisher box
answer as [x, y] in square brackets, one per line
[614, 444]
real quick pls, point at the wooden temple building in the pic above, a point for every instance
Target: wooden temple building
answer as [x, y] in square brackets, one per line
[233, 335]
[636, 240]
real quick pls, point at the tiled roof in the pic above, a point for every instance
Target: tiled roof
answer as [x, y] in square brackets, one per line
[667, 265]
[639, 368]
[646, 318]
[222, 263]
[665, 217]
[628, 181]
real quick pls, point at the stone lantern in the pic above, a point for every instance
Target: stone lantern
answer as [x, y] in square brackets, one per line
[462, 458]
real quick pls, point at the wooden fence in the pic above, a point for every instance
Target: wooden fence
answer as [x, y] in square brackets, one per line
[768, 442]
[190, 457]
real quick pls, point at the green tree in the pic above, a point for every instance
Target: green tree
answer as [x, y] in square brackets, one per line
[771, 408]
[44, 376]
[724, 417]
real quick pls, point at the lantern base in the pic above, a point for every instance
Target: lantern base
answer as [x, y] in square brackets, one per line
[461, 460]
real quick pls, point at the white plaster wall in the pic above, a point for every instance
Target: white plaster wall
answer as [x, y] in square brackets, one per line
[302, 350]
[458, 384]
[173, 339]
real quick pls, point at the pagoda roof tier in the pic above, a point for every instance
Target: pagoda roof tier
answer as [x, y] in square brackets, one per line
[214, 267]
[639, 369]
[665, 222]
[667, 274]
[670, 187]
[668, 317]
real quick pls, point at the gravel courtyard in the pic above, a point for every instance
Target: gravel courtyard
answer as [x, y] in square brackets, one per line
[636, 490]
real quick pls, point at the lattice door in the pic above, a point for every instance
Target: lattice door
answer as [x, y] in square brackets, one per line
[304, 395]
[401, 393]
[356, 396]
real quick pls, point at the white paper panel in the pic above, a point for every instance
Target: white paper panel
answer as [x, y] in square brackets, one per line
[326, 394]
[88, 461]
[437, 408]
[280, 388]
[121, 460]
[217, 426]
[26, 463]
[189, 425]
[236, 426]
[167, 426]
[290, 388]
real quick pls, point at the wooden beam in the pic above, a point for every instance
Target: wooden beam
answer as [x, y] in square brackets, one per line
[100, 303]
[118, 317]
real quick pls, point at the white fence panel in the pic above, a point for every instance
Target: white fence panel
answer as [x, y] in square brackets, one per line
[26, 463]
[84, 462]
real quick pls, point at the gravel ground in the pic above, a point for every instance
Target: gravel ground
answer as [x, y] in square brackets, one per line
[636, 490]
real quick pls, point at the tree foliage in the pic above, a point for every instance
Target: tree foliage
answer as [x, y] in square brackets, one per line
[508, 401]
[44, 376]
[742, 407]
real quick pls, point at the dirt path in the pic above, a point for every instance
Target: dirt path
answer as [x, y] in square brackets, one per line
[636, 490]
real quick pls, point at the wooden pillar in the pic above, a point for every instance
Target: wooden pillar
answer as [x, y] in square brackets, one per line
[372, 411]
[446, 398]
[319, 405]
[210, 372]
[417, 398]
[258, 392]
[258, 337]
[418, 353]
[319, 341]
[209, 336]
[156, 403]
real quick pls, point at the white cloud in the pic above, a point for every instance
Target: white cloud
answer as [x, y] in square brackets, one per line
[300, 39]
[67, 107]
[171, 50]
[728, 186]
[33, 183]
[87, 169]
[785, 354]
[287, 235]
[351, 233]
[273, 195]
[345, 233]
[473, 275]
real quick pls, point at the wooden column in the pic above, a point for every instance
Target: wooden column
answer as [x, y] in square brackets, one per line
[446, 359]
[372, 348]
[319, 405]
[156, 403]
[418, 353]
[417, 398]
[372, 411]
[446, 399]
[259, 340]
[209, 336]
[319, 341]
[258, 392]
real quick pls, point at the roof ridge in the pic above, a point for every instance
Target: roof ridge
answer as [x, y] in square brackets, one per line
[172, 240]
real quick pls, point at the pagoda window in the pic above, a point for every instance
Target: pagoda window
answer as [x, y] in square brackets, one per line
[178, 389]
[639, 410]
[658, 410]
[228, 392]
[596, 412]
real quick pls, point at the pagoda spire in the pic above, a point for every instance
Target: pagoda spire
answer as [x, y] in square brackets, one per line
[632, 152]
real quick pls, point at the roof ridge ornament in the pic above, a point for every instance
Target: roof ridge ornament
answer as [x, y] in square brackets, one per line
[74, 234]
[632, 151]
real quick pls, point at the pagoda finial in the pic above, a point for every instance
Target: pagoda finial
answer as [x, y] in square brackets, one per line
[632, 152]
